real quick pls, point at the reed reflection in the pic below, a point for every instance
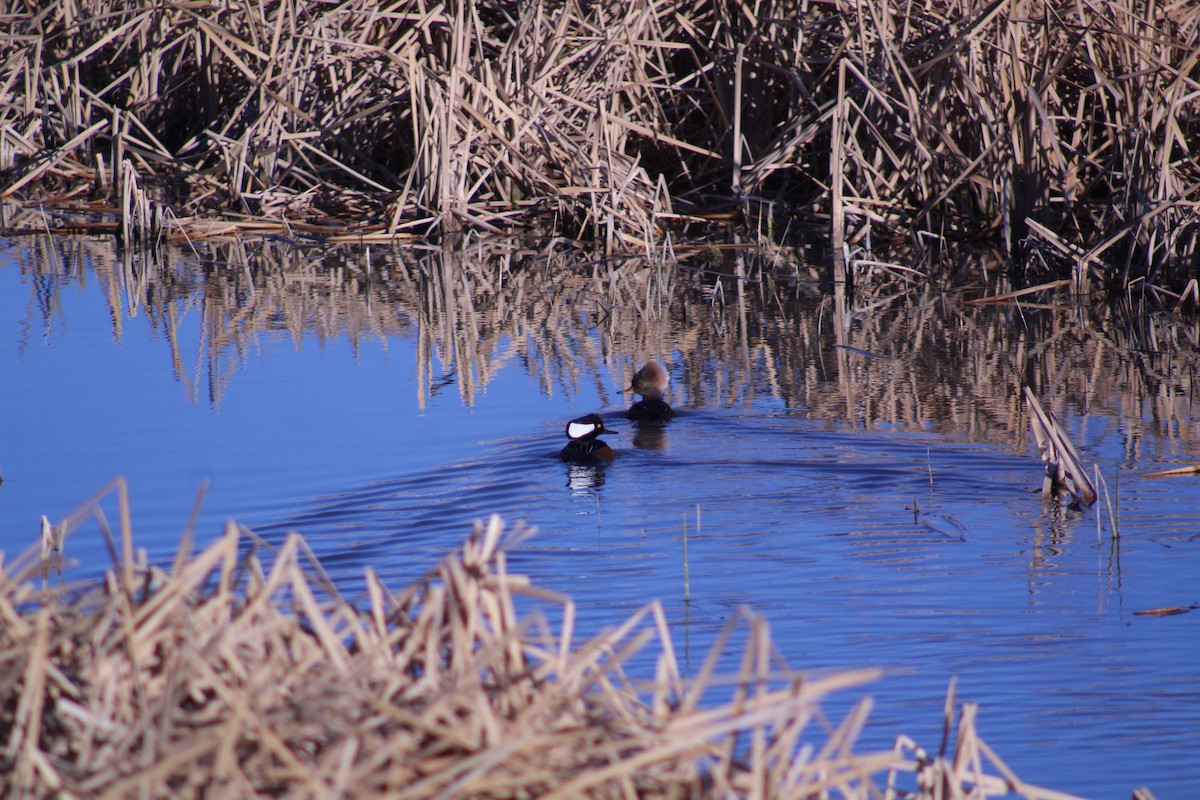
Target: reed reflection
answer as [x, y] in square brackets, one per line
[735, 330]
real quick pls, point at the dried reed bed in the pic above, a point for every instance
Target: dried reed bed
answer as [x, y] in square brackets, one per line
[900, 352]
[1061, 131]
[228, 675]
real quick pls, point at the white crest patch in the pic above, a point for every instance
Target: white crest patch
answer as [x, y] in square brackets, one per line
[576, 430]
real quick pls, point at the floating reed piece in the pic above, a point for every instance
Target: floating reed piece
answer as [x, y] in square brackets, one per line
[1064, 470]
[1062, 132]
[224, 676]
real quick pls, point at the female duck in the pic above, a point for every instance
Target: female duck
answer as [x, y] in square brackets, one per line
[585, 447]
[650, 382]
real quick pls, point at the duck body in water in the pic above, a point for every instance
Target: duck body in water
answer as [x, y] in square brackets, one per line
[650, 382]
[585, 446]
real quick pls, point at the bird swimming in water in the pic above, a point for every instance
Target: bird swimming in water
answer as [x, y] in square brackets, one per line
[650, 382]
[584, 446]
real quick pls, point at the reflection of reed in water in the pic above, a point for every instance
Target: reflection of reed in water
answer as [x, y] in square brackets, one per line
[234, 293]
[733, 330]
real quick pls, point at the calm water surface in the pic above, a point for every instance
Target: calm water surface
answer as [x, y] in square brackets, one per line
[922, 548]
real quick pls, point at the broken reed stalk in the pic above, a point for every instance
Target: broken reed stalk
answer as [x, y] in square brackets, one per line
[1065, 472]
[230, 676]
[1058, 131]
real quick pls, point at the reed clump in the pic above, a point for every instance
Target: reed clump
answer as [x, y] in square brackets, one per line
[225, 676]
[1061, 132]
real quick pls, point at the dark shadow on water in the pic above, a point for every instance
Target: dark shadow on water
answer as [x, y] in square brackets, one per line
[650, 435]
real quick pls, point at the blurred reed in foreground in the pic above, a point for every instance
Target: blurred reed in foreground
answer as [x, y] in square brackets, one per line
[227, 676]
[1061, 132]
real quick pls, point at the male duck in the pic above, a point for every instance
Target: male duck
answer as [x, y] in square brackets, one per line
[584, 446]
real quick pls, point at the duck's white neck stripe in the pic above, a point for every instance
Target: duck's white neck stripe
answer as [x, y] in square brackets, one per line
[576, 430]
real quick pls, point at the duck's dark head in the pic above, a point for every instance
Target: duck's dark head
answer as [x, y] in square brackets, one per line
[587, 427]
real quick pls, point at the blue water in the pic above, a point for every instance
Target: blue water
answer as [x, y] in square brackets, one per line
[927, 553]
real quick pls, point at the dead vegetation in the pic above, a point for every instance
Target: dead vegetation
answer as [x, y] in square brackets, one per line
[1062, 132]
[229, 675]
[1065, 474]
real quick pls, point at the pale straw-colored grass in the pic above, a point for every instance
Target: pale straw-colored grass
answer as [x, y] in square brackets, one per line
[227, 675]
[1062, 133]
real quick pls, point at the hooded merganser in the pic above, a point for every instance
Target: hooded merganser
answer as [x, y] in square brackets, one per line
[584, 447]
[650, 382]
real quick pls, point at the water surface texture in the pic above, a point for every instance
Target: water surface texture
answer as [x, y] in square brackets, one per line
[860, 473]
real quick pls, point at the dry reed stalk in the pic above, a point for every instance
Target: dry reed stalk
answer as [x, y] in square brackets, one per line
[1064, 470]
[1061, 131]
[220, 677]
